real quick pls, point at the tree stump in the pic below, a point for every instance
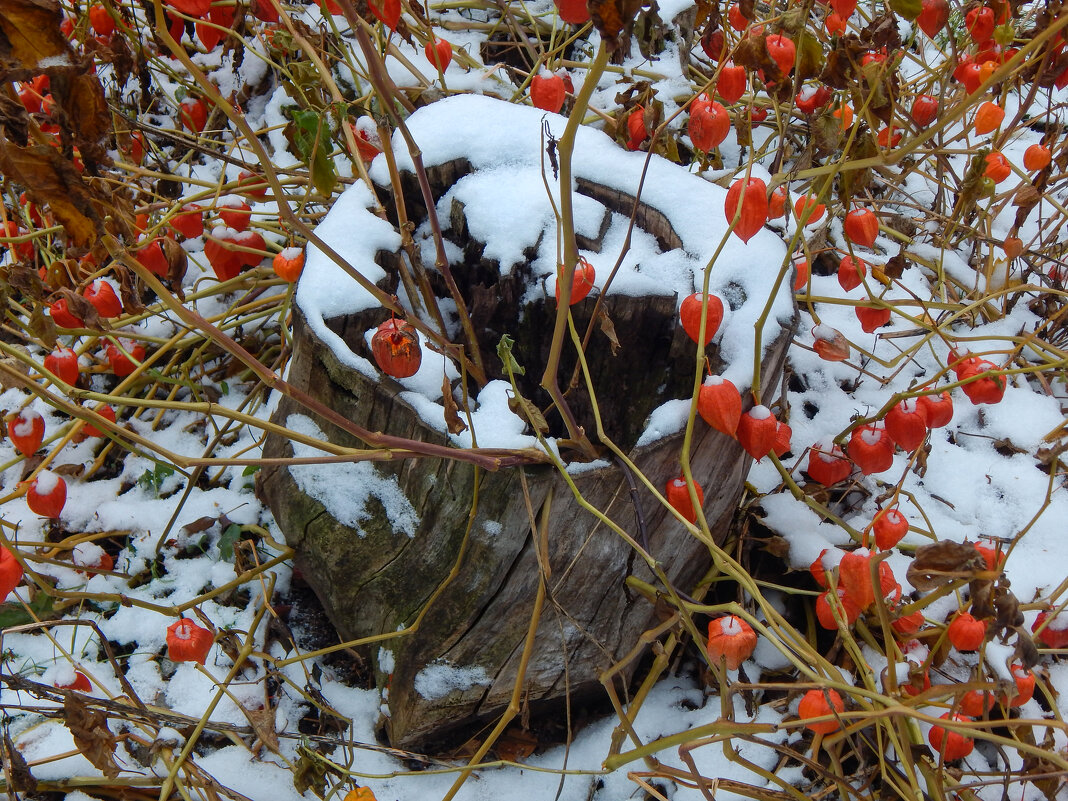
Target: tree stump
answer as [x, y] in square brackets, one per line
[452, 555]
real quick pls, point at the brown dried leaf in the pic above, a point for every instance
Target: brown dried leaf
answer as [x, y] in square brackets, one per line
[117, 53]
[81, 97]
[896, 265]
[777, 546]
[942, 562]
[52, 180]
[262, 721]
[30, 34]
[853, 182]
[981, 595]
[608, 329]
[752, 53]
[1006, 447]
[826, 133]
[611, 18]
[25, 279]
[178, 261]
[42, 327]
[841, 64]
[63, 273]
[1007, 605]
[529, 412]
[516, 744]
[14, 118]
[91, 734]
[1026, 196]
[882, 32]
[452, 411]
[706, 11]
[1026, 651]
[80, 308]
[17, 366]
[200, 524]
[131, 300]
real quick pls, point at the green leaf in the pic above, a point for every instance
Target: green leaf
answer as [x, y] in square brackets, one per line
[225, 388]
[15, 614]
[312, 139]
[153, 479]
[228, 539]
[909, 9]
[810, 59]
[323, 174]
[250, 470]
[504, 353]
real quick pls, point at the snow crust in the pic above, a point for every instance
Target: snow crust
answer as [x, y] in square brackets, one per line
[345, 489]
[440, 678]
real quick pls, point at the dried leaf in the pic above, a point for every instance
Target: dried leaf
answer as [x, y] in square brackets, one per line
[117, 53]
[14, 118]
[91, 734]
[51, 179]
[608, 329]
[200, 524]
[131, 300]
[1026, 651]
[853, 182]
[18, 367]
[752, 53]
[81, 97]
[882, 32]
[777, 546]
[178, 261]
[516, 744]
[810, 60]
[1006, 447]
[612, 18]
[310, 774]
[550, 149]
[452, 411]
[742, 129]
[30, 34]
[942, 562]
[81, 308]
[262, 721]
[651, 33]
[841, 64]
[981, 595]
[1027, 196]
[896, 265]
[529, 412]
[25, 279]
[1007, 606]
[826, 133]
[705, 11]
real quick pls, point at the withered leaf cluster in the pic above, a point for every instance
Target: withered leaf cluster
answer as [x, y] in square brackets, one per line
[32, 44]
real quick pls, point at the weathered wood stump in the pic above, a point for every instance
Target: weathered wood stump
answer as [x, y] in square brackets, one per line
[455, 554]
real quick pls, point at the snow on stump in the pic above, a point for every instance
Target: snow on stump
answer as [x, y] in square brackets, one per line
[407, 550]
